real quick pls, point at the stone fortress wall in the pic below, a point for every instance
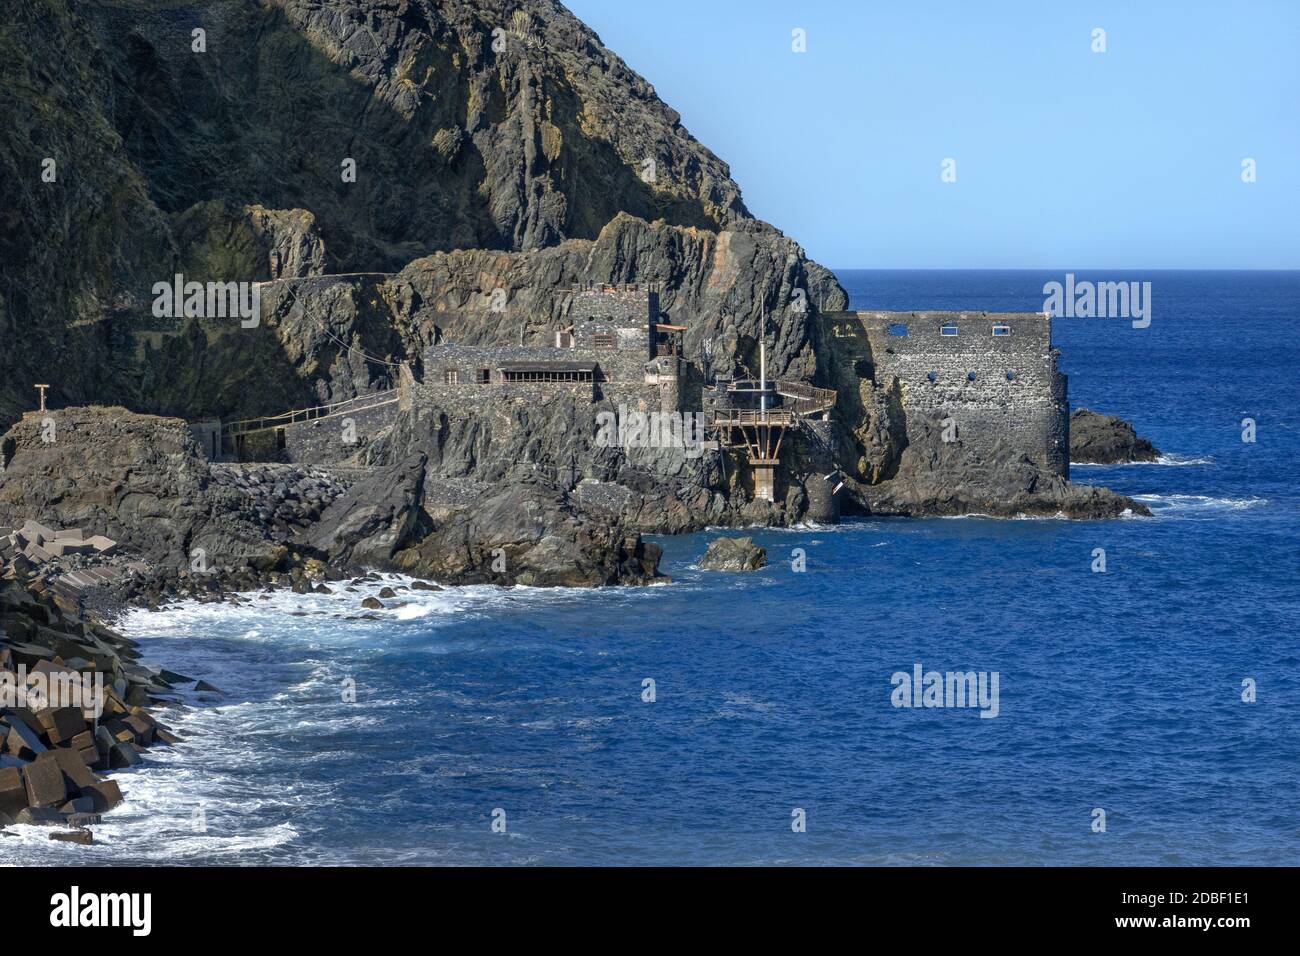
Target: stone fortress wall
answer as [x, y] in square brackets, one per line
[1003, 387]
[996, 387]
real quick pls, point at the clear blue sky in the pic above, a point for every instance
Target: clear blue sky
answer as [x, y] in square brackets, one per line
[1065, 158]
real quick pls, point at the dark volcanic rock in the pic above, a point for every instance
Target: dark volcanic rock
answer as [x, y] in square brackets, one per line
[366, 526]
[733, 554]
[1106, 440]
[139, 479]
[936, 477]
[536, 154]
[522, 534]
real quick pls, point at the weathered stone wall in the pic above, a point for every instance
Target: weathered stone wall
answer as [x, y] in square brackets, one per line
[621, 305]
[468, 361]
[994, 388]
[336, 438]
[466, 400]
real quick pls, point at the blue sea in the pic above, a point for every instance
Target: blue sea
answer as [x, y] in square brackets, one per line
[1120, 693]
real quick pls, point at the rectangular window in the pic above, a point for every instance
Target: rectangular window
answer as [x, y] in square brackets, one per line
[451, 377]
[1001, 330]
[484, 376]
[948, 330]
[603, 340]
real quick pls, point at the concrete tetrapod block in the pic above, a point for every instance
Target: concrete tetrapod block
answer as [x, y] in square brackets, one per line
[106, 795]
[102, 544]
[45, 784]
[22, 741]
[13, 791]
[40, 817]
[61, 723]
[74, 768]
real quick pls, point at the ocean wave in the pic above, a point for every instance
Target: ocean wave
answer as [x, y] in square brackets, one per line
[1175, 461]
[1197, 503]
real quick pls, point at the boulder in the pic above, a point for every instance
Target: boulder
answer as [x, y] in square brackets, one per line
[733, 554]
[373, 519]
[1106, 440]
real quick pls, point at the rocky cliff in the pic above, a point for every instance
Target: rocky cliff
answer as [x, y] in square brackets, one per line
[393, 174]
[300, 137]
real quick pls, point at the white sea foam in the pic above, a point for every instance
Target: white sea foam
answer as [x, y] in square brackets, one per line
[1175, 461]
[1197, 503]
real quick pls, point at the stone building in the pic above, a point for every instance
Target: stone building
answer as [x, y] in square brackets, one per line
[989, 380]
[991, 376]
[614, 347]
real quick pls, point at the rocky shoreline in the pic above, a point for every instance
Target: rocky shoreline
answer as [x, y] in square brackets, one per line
[171, 525]
[76, 703]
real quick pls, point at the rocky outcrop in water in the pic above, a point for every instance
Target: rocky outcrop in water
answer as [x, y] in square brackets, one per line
[733, 554]
[1097, 439]
[141, 480]
[936, 477]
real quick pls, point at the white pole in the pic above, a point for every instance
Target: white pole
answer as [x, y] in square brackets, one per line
[762, 366]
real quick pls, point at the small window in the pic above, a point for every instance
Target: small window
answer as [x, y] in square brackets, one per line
[970, 376]
[603, 340]
[898, 329]
[1001, 330]
[564, 340]
[451, 377]
[484, 376]
[1011, 376]
[948, 330]
[932, 376]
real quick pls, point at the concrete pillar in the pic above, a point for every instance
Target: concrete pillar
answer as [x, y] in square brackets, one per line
[823, 502]
[765, 479]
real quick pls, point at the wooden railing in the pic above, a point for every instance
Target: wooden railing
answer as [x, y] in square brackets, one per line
[752, 416]
[807, 399]
[299, 415]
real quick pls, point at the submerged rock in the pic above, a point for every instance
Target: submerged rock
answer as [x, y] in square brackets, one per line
[733, 554]
[1097, 439]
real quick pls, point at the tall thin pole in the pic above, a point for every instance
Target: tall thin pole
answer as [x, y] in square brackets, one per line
[762, 365]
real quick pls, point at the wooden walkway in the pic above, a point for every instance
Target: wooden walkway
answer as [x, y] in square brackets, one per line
[299, 415]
